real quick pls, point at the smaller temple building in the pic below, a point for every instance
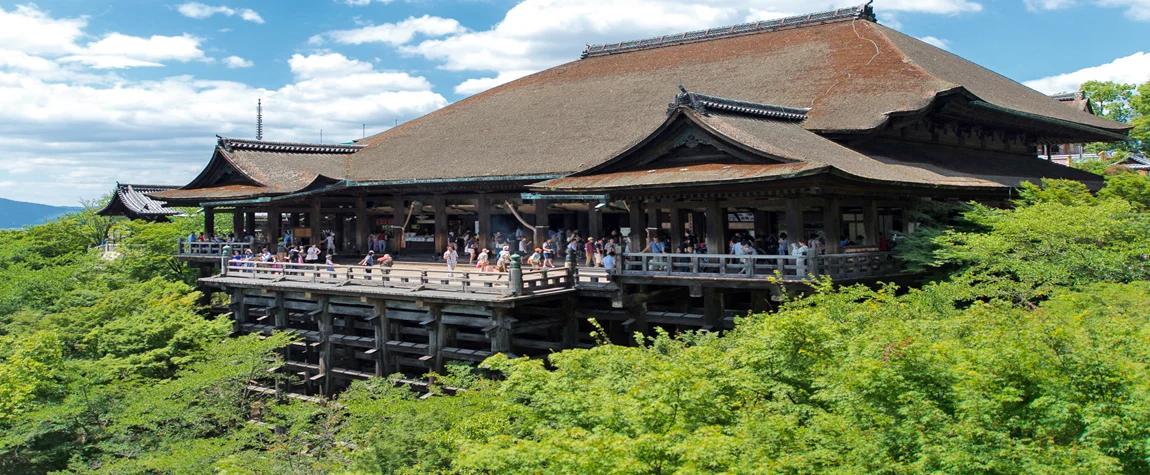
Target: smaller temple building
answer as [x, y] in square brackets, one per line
[133, 202]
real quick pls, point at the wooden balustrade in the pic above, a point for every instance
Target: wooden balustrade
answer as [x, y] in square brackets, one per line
[496, 283]
[837, 266]
[206, 249]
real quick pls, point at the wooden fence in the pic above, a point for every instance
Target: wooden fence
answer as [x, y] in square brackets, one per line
[837, 266]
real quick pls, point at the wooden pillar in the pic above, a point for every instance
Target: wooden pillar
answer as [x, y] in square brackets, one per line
[238, 222]
[500, 331]
[315, 220]
[676, 229]
[399, 214]
[293, 221]
[794, 212]
[652, 220]
[570, 324]
[436, 336]
[439, 208]
[273, 231]
[239, 311]
[594, 221]
[281, 315]
[326, 328]
[637, 318]
[716, 224]
[832, 225]
[713, 308]
[362, 228]
[381, 325]
[209, 221]
[636, 224]
[762, 224]
[483, 205]
[542, 221]
[250, 223]
[583, 223]
[870, 222]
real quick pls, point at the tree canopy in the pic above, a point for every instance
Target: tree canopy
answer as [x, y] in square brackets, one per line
[1025, 353]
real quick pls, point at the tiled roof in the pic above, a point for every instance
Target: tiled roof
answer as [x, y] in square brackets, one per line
[703, 103]
[131, 200]
[861, 12]
[230, 144]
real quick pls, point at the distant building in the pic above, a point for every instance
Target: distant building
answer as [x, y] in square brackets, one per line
[1067, 153]
[132, 202]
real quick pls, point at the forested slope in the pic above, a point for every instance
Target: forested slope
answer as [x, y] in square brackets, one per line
[1027, 355]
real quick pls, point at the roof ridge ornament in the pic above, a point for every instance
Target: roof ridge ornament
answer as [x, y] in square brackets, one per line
[705, 104]
[230, 144]
[860, 12]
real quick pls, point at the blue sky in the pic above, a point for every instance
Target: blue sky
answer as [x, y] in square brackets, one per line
[135, 91]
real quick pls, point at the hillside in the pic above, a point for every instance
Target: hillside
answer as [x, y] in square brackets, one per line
[17, 214]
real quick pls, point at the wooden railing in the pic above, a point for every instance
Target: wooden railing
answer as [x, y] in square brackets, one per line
[206, 249]
[494, 283]
[837, 266]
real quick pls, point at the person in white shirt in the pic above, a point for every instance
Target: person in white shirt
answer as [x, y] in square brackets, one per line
[452, 258]
[330, 243]
[312, 254]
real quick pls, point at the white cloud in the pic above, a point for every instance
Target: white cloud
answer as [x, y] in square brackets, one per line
[154, 48]
[392, 33]
[1128, 69]
[200, 11]
[1135, 9]
[31, 30]
[70, 129]
[476, 85]
[936, 42]
[237, 62]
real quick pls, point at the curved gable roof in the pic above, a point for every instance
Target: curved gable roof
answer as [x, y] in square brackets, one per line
[852, 74]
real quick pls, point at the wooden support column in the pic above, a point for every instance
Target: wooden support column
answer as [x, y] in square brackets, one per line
[542, 222]
[293, 221]
[326, 328]
[676, 229]
[870, 222]
[832, 225]
[250, 223]
[439, 207]
[398, 215]
[716, 224]
[713, 308]
[273, 231]
[637, 318]
[582, 223]
[436, 336]
[594, 221]
[636, 224]
[483, 205]
[239, 311]
[315, 221]
[209, 221]
[652, 220]
[500, 331]
[238, 222]
[762, 224]
[281, 315]
[381, 325]
[794, 212]
[570, 324]
[362, 228]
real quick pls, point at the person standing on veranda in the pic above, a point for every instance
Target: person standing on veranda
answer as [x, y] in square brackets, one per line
[452, 259]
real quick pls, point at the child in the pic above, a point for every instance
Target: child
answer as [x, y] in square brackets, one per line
[535, 259]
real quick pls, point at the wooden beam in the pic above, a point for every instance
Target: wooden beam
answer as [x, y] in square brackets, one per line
[439, 208]
[326, 328]
[483, 205]
[362, 227]
[832, 225]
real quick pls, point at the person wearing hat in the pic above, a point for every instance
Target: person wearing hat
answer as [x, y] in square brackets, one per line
[535, 260]
[368, 260]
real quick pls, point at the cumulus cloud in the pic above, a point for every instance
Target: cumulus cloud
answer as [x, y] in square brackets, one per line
[1133, 69]
[392, 33]
[936, 42]
[201, 11]
[537, 34]
[66, 119]
[235, 62]
[31, 30]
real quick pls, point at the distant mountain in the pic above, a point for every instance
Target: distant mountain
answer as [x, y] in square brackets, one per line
[17, 214]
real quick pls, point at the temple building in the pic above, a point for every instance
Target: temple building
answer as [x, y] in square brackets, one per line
[827, 128]
[133, 202]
